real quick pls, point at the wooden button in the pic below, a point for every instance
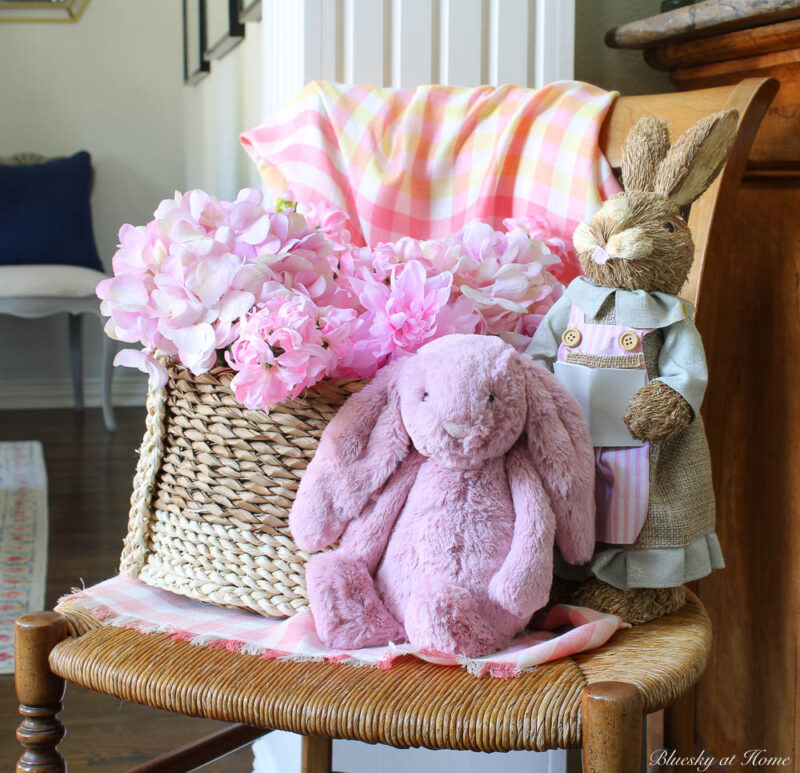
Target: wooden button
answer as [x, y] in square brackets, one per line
[571, 337]
[629, 341]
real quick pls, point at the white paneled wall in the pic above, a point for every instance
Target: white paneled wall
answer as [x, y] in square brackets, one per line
[408, 43]
[403, 43]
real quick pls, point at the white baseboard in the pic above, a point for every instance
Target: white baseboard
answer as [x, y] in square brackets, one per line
[129, 388]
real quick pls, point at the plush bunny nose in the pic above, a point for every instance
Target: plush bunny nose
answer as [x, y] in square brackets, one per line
[455, 430]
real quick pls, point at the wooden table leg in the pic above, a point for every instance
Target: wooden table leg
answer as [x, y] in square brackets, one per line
[317, 754]
[612, 728]
[39, 691]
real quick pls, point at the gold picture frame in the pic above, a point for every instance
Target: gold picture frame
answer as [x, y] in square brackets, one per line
[42, 10]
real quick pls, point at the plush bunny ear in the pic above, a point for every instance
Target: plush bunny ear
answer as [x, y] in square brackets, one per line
[697, 157]
[645, 147]
[357, 453]
[558, 439]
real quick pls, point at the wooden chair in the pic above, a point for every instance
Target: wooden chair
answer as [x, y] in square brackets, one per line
[594, 700]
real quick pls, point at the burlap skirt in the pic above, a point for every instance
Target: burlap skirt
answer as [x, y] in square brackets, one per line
[677, 543]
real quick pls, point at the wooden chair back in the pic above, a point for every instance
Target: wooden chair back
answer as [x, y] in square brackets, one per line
[709, 216]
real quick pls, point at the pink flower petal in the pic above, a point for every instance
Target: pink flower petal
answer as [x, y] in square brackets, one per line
[145, 362]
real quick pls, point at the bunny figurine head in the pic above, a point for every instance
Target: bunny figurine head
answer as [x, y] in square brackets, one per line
[639, 240]
[460, 401]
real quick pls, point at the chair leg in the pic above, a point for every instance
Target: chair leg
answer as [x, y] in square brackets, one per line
[612, 728]
[76, 358]
[679, 725]
[109, 350]
[317, 754]
[39, 691]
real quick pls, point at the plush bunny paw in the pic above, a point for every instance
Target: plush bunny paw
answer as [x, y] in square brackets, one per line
[314, 519]
[656, 413]
[520, 602]
[348, 614]
[446, 620]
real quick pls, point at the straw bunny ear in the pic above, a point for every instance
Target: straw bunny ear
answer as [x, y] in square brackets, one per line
[696, 158]
[558, 440]
[645, 147]
[357, 453]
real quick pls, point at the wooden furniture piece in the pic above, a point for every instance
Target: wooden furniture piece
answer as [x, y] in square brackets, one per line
[749, 320]
[411, 704]
[30, 292]
[594, 700]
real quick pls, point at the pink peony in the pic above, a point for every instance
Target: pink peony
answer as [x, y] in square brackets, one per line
[505, 276]
[405, 313]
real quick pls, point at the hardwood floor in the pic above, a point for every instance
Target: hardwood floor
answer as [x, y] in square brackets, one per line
[89, 476]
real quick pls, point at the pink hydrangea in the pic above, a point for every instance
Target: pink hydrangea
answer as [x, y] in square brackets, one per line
[289, 299]
[182, 282]
[279, 351]
[289, 343]
[333, 222]
[538, 228]
[505, 275]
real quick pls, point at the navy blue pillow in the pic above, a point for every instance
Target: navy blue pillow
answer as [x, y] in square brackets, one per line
[45, 216]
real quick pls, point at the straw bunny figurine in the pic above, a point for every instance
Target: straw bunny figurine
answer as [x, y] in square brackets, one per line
[655, 501]
[446, 481]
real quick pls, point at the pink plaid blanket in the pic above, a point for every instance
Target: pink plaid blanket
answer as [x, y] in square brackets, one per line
[564, 630]
[423, 163]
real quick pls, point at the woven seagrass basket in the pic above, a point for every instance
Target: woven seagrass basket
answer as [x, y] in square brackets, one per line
[213, 488]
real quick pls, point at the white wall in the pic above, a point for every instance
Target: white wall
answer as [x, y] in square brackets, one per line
[216, 111]
[111, 84]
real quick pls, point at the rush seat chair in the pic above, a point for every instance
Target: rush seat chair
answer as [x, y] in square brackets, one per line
[594, 701]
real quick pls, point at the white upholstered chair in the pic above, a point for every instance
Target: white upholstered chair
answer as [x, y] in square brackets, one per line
[41, 291]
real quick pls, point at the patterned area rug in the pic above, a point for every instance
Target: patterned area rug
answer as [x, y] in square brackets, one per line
[23, 538]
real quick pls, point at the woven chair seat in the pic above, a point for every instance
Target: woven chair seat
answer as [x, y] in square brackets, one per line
[411, 704]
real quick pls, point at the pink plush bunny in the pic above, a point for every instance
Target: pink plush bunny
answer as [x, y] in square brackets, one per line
[446, 480]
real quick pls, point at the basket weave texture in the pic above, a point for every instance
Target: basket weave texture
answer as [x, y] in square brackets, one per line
[213, 488]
